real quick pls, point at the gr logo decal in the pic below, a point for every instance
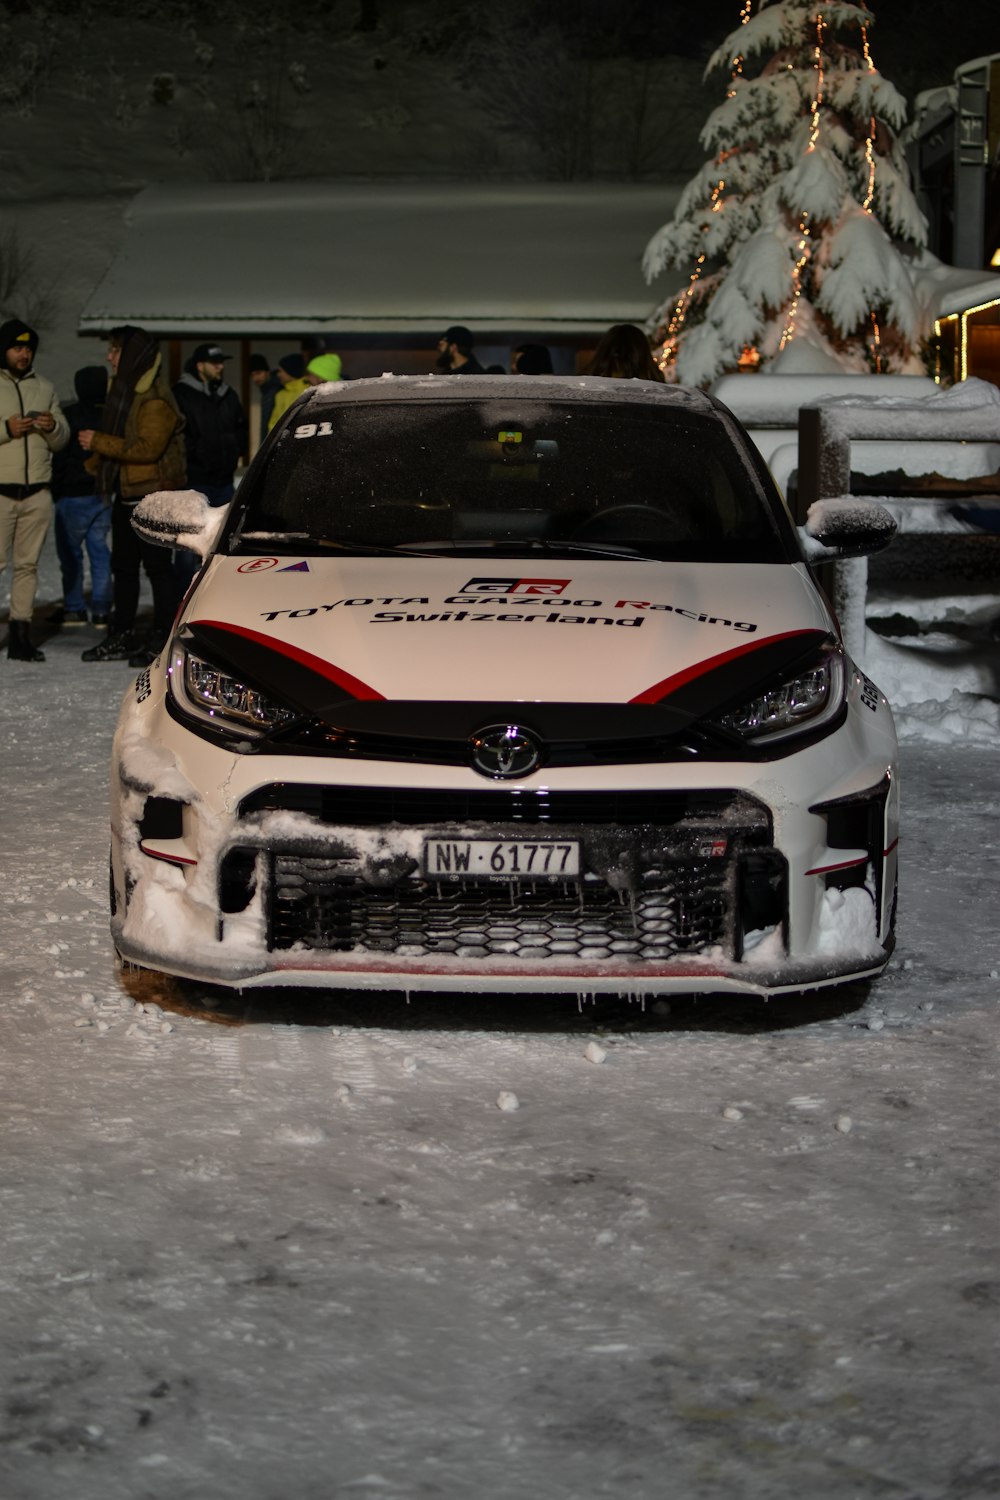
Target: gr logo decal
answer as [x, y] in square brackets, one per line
[516, 585]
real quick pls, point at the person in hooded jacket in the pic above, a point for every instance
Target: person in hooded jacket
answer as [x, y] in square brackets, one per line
[82, 515]
[139, 450]
[216, 431]
[216, 436]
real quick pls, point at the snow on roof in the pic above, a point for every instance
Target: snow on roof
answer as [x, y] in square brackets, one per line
[942, 289]
[257, 258]
[766, 400]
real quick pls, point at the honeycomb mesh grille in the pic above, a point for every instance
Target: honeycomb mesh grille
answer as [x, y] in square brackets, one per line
[675, 910]
[659, 873]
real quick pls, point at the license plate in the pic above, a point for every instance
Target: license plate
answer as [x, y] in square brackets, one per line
[502, 859]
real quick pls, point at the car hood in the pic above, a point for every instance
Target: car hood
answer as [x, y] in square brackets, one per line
[330, 635]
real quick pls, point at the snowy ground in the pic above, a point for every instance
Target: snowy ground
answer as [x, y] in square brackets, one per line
[300, 1249]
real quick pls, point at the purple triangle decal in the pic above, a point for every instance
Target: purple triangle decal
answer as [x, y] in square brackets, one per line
[302, 567]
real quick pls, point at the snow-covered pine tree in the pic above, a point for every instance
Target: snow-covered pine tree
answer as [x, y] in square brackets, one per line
[801, 224]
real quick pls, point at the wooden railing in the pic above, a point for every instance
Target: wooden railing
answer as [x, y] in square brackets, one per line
[826, 432]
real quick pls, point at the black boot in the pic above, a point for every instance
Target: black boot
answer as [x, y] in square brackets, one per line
[148, 651]
[19, 647]
[118, 645]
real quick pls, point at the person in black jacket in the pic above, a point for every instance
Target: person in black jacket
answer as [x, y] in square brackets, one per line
[455, 352]
[216, 435]
[83, 517]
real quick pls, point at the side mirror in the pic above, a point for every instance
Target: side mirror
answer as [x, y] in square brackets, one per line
[848, 526]
[179, 518]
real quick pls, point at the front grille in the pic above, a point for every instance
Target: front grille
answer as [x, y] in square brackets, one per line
[674, 911]
[662, 873]
[378, 806]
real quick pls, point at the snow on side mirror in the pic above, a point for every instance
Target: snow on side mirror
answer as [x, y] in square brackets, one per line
[179, 518]
[847, 526]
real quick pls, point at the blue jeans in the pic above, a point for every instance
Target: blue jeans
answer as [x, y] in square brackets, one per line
[82, 521]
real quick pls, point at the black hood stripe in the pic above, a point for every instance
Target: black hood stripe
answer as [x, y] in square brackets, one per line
[292, 674]
[707, 685]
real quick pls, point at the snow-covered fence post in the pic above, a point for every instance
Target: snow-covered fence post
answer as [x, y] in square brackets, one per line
[824, 472]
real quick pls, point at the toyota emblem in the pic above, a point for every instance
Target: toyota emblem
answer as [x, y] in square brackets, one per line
[504, 750]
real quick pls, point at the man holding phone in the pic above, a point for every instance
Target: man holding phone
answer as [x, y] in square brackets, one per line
[32, 428]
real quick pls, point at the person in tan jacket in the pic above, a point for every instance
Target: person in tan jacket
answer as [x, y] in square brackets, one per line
[142, 450]
[32, 428]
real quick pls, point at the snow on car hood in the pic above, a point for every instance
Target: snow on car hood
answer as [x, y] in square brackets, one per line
[320, 630]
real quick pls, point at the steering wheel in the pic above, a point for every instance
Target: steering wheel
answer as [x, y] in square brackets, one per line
[646, 521]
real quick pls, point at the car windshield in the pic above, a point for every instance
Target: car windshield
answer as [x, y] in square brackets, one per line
[636, 480]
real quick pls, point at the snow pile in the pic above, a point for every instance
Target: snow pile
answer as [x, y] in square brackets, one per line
[968, 395]
[934, 694]
[847, 922]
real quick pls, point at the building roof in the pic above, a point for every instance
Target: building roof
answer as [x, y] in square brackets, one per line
[275, 258]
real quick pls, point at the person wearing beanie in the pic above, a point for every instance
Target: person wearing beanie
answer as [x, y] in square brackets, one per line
[139, 450]
[291, 372]
[322, 368]
[32, 428]
[455, 356]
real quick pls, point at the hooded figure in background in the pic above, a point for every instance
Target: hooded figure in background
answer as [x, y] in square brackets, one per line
[216, 432]
[216, 437]
[139, 450]
[32, 428]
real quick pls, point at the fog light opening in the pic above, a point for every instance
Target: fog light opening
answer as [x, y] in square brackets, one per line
[761, 895]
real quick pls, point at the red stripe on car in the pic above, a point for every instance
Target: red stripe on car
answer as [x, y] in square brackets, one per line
[668, 685]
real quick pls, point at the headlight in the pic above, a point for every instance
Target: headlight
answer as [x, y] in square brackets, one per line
[801, 705]
[212, 695]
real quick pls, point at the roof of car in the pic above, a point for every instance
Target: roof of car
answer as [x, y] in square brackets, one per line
[541, 388]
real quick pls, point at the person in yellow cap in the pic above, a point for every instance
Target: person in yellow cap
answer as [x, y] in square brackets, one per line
[32, 428]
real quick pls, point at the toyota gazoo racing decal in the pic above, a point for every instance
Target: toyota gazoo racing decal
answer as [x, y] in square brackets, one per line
[362, 626]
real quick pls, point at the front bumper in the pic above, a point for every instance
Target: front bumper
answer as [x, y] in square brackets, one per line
[748, 878]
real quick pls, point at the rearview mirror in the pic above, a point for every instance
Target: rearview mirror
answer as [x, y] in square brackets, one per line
[179, 518]
[848, 526]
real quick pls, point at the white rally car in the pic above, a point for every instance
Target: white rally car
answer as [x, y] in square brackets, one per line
[498, 683]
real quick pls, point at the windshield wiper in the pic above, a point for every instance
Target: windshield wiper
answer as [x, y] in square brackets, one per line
[512, 547]
[364, 549]
[275, 541]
